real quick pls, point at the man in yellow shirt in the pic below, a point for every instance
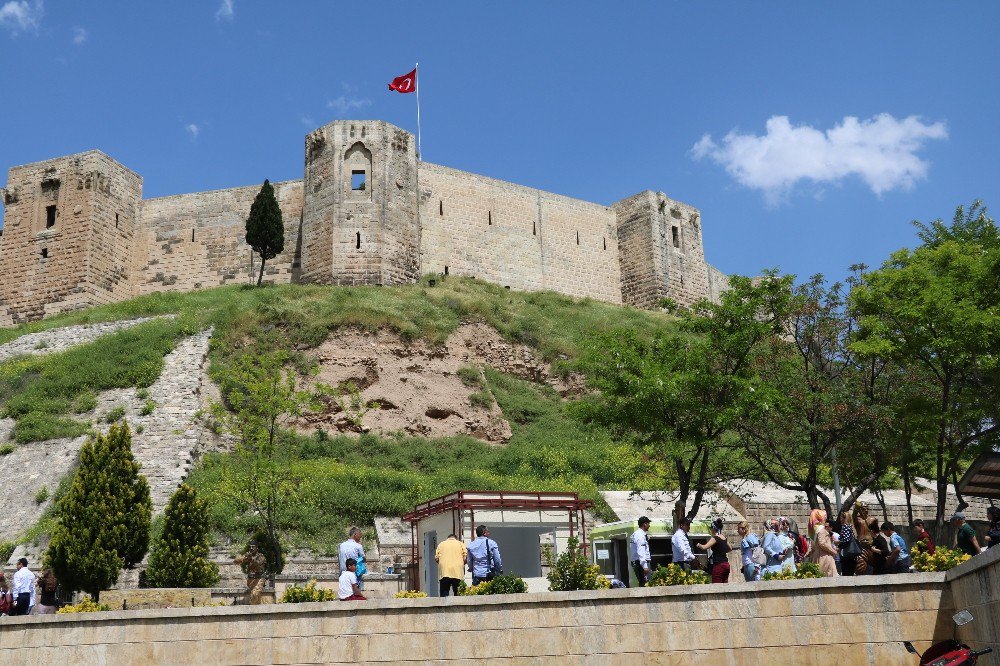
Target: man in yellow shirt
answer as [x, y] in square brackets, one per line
[450, 556]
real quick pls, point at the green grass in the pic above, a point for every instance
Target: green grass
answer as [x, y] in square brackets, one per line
[349, 480]
[40, 392]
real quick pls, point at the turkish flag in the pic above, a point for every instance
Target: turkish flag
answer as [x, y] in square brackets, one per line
[406, 83]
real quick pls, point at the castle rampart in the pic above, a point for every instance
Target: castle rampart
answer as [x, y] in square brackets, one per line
[77, 232]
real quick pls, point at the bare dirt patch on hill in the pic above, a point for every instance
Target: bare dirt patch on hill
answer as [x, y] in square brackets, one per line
[416, 387]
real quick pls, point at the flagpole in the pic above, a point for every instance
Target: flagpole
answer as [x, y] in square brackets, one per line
[417, 70]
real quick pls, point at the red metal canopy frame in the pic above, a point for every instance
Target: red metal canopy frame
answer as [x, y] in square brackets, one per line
[471, 500]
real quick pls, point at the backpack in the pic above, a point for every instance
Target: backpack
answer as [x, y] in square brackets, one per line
[757, 554]
[6, 599]
[801, 547]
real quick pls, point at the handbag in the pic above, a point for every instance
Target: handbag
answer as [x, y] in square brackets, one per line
[491, 569]
[852, 549]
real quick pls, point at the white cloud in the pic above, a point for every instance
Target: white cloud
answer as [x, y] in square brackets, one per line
[21, 15]
[193, 130]
[80, 35]
[882, 151]
[225, 11]
[307, 121]
[348, 101]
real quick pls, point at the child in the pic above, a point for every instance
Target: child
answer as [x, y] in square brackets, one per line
[349, 589]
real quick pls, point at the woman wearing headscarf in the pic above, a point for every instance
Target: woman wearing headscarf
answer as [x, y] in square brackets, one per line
[788, 542]
[822, 551]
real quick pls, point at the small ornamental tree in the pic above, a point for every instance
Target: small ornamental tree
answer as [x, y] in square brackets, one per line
[180, 556]
[265, 229]
[573, 571]
[107, 500]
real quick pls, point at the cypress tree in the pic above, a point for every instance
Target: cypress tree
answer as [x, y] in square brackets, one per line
[135, 490]
[265, 230]
[180, 555]
[103, 521]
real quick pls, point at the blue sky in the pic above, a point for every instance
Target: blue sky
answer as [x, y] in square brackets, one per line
[740, 109]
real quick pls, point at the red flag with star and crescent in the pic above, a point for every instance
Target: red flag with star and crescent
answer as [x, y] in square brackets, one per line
[406, 83]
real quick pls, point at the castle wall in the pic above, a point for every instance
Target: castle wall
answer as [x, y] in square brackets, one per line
[195, 241]
[516, 236]
[360, 205]
[662, 251]
[60, 249]
[78, 234]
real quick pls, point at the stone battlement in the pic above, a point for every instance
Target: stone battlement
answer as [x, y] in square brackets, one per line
[78, 233]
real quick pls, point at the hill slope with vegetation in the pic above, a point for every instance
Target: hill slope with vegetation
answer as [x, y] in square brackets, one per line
[349, 478]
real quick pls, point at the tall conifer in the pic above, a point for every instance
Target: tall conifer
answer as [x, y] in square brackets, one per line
[103, 521]
[265, 229]
[180, 555]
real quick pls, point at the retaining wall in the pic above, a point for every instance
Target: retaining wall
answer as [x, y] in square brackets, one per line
[833, 621]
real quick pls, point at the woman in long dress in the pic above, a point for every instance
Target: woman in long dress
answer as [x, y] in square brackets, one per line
[822, 552]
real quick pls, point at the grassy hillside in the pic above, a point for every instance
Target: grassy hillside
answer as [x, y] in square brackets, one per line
[347, 479]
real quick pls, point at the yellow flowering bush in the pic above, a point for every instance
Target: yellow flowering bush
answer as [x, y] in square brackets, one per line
[942, 559]
[299, 595]
[803, 570]
[503, 584]
[675, 575]
[573, 571]
[409, 594]
[88, 605]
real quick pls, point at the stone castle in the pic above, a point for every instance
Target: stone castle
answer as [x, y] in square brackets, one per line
[78, 233]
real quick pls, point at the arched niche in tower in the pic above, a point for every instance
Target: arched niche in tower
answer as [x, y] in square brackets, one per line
[358, 166]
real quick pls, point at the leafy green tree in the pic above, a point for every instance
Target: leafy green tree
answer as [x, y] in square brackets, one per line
[108, 499]
[679, 394]
[938, 308]
[261, 397]
[180, 556]
[815, 399]
[265, 229]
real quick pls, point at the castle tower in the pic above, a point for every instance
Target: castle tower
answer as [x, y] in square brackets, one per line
[661, 252]
[359, 216]
[67, 235]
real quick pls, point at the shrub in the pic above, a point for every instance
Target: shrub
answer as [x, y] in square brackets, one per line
[115, 414]
[39, 426]
[41, 495]
[147, 407]
[481, 399]
[471, 376]
[88, 605]
[6, 550]
[942, 559]
[142, 394]
[6, 449]
[573, 571]
[180, 555]
[803, 570]
[299, 595]
[503, 584]
[409, 594]
[675, 575]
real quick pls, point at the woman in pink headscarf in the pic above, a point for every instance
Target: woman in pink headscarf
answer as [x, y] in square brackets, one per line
[822, 552]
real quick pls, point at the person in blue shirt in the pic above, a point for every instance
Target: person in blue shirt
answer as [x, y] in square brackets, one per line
[484, 557]
[774, 548]
[898, 546]
[748, 542]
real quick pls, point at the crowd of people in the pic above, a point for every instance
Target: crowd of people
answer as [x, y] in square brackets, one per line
[854, 544]
[27, 593]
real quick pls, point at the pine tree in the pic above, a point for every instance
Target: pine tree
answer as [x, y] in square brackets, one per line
[265, 229]
[180, 556]
[103, 521]
[135, 489]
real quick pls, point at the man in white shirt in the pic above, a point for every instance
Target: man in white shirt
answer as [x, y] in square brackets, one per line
[352, 549]
[638, 551]
[681, 547]
[23, 590]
